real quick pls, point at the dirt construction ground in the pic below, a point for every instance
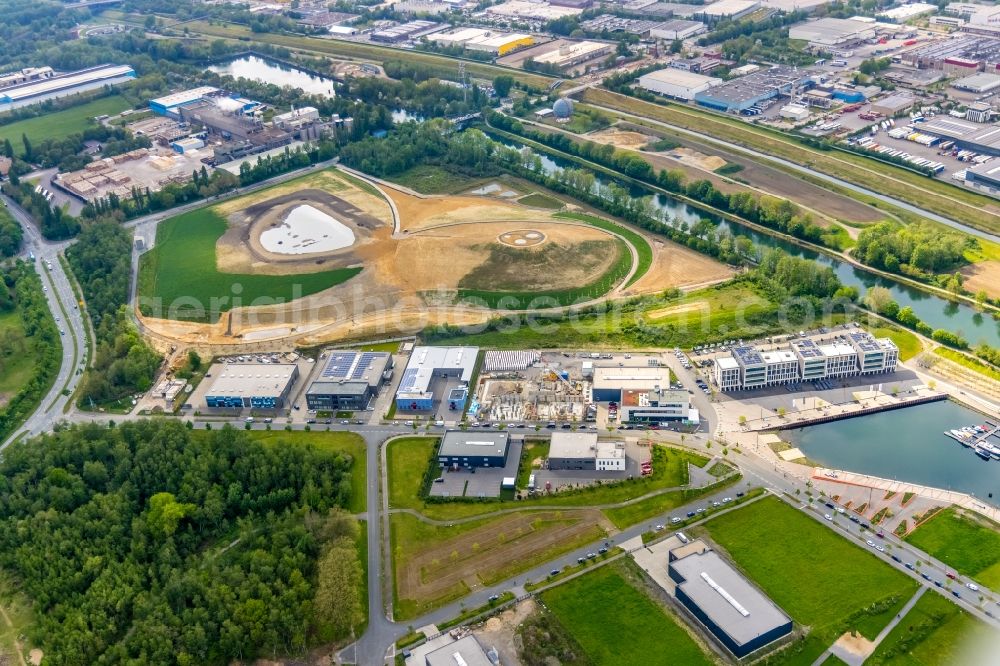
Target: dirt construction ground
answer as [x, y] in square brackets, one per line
[493, 552]
[409, 279]
[675, 265]
[983, 275]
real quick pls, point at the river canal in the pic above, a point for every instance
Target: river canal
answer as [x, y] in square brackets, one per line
[935, 311]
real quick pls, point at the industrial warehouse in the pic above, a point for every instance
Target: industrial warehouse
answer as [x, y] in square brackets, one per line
[739, 615]
[434, 372]
[750, 91]
[583, 451]
[36, 86]
[349, 380]
[858, 353]
[677, 83]
[253, 385]
[478, 39]
[461, 449]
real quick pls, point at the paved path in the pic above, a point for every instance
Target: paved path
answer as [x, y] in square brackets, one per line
[855, 659]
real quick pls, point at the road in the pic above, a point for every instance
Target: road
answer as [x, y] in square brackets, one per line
[69, 319]
[805, 171]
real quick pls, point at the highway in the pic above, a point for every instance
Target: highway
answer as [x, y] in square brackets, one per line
[69, 319]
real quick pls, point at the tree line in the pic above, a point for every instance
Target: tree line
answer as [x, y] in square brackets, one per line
[150, 543]
[21, 292]
[11, 234]
[779, 214]
[124, 364]
[917, 250]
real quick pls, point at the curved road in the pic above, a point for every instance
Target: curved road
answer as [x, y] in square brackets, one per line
[69, 319]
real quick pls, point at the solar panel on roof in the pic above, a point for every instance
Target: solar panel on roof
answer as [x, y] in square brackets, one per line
[364, 363]
[338, 365]
[406, 384]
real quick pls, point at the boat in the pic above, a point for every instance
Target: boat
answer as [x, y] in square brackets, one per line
[990, 449]
[982, 453]
[962, 438]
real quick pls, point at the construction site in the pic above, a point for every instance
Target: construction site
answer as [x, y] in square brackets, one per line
[522, 386]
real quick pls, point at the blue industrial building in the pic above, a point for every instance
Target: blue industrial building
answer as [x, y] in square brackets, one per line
[475, 448]
[253, 385]
[169, 105]
[415, 393]
[749, 91]
[726, 603]
[63, 85]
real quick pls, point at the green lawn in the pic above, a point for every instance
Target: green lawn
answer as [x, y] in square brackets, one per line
[178, 278]
[61, 124]
[652, 507]
[822, 580]
[969, 362]
[968, 543]
[411, 537]
[537, 200]
[935, 632]
[432, 179]
[17, 359]
[18, 608]
[409, 457]
[615, 623]
[343, 442]
[742, 313]
[908, 343]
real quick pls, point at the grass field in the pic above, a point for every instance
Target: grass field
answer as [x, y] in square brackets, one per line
[344, 442]
[537, 200]
[968, 543]
[641, 245]
[365, 51]
[743, 314]
[935, 632]
[432, 179]
[969, 362]
[616, 623]
[409, 457]
[17, 359]
[820, 579]
[908, 343]
[61, 124]
[652, 507]
[519, 300]
[931, 194]
[179, 278]
[17, 620]
[433, 564]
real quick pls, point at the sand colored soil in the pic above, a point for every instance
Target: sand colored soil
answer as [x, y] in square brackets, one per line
[621, 138]
[328, 180]
[468, 246]
[478, 556]
[677, 266]
[660, 313]
[700, 160]
[418, 213]
[984, 275]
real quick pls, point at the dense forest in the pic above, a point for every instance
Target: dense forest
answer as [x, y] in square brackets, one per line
[149, 543]
[11, 235]
[919, 250]
[21, 292]
[124, 364]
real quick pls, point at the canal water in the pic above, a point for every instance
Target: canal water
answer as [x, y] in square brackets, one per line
[264, 70]
[905, 445]
[935, 311]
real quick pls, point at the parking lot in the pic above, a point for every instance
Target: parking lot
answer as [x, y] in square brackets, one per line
[478, 481]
